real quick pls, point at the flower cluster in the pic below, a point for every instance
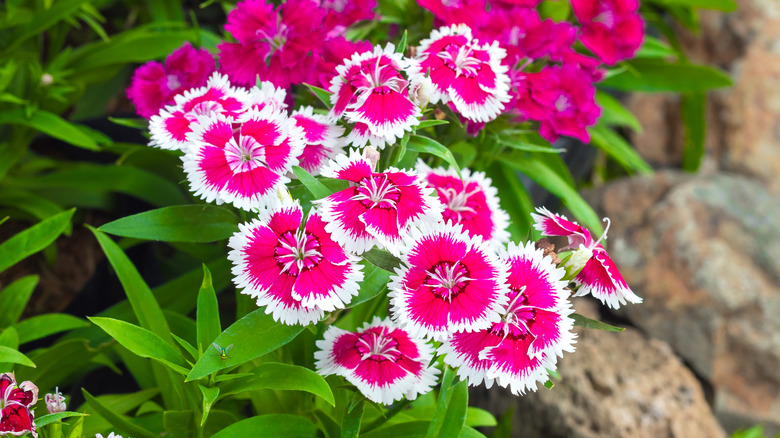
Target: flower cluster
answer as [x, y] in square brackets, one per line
[16, 401]
[498, 311]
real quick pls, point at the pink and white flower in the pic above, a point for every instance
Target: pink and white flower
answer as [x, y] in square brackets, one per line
[322, 139]
[536, 328]
[267, 94]
[599, 276]
[370, 89]
[16, 415]
[245, 161]
[448, 282]
[464, 71]
[55, 402]
[292, 266]
[169, 129]
[469, 200]
[382, 360]
[378, 208]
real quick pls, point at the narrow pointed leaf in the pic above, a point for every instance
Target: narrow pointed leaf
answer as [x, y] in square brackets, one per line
[140, 341]
[583, 321]
[209, 326]
[121, 423]
[33, 239]
[271, 425]
[178, 223]
[280, 376]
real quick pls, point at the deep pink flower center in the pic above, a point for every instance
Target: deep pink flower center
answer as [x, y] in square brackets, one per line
[377, 346]
[277, 39]
[514, 324]
[173, 82]
[297, 251]
[374, 75]
[606, 16]
[377, 191]
[457, 201]
[245, 154]
[515, 35]
[563, 103]
[447, 279]
[460, 60]
[335, 5]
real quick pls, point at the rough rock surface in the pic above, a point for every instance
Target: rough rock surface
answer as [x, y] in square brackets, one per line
[743, 122]
[615, 385]
[704, 253]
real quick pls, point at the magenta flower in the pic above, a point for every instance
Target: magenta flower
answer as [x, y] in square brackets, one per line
[322, 139]
[472, 13]
[383, 361]
[562, 99]
[599, 275]
[334, 52]
[292, 266]
[243, 162]
[153, 85]
[370, 89]
[525, 35]
[464, 71]
[612, 29]
[536, 328]
[170, 128]
[344, 13]
[277, 45]
[16, 417]
[448, 282]
[378, 208]
[470, 201]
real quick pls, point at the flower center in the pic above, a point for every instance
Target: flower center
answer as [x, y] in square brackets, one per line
[374, 75]
[461, 62]
[457, 201]
[378, 191]
[335, 5]
[297, 252]
[562, 103]
[447, 279]
[377, 346]
[515, 35]
[277, 40]
[173, 82]
[606, 17]
[245, 154]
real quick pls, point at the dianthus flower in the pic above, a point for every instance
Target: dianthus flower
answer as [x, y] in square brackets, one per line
[243, 162]
[343, 13]
[334, 52]
[267, 94]
[378, 207]
[383, 361]
[55, 402]
[448, 282]
[278, 45]
[170, 128]
[370, 89]
[599, 275]
[16, 417]
[321, 138]
[292, 266]
[525, 35]
[562, 99]
[472, 13]
[464, 71]
[153, 85]
[518, 350]
[612, 29]
[469, 200]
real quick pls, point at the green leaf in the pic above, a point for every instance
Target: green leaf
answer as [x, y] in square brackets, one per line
[33, 239]
[504, 427]
[210, 396]
[455, 417]
[428, 123]
[693, 112]
[144, 305]
[618, 148]
[401, 48]
[131, 123]
[142, 342]
[582, 321]
[14, 297]
[139, 47]
[77, 429]
[374, 282]
[252, 336]
[40, 326]
[179, 223]
[614, 113]
[322, 95]
[529, 147]
[382, 259]
[514, 199]
[10, 355]
[52, 370]
[284, 377]
[272, 425]
[655, 48]
[723, 5]
[350, 424]
[209, 326]
[179, 423]
[476, 417]
[50, 418]
[556, 10]
[122, 424]
[50, 124]
[44, 19]
[409, 429]
[555, 184]
[418, 143]
[653, 75]
[315, 187]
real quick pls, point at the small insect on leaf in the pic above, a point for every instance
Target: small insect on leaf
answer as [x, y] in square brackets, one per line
[223, 352]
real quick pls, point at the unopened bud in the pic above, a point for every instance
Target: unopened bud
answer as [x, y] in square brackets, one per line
[578, 259]
[46, 79]
[372, 155]
[422, 91]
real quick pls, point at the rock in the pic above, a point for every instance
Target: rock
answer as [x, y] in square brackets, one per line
[704, 253]
[614, 385]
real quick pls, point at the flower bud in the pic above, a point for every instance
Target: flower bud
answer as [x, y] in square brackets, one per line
[578, 259]
[55, 402]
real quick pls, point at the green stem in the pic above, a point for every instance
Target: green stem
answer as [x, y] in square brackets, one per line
[390, 413]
